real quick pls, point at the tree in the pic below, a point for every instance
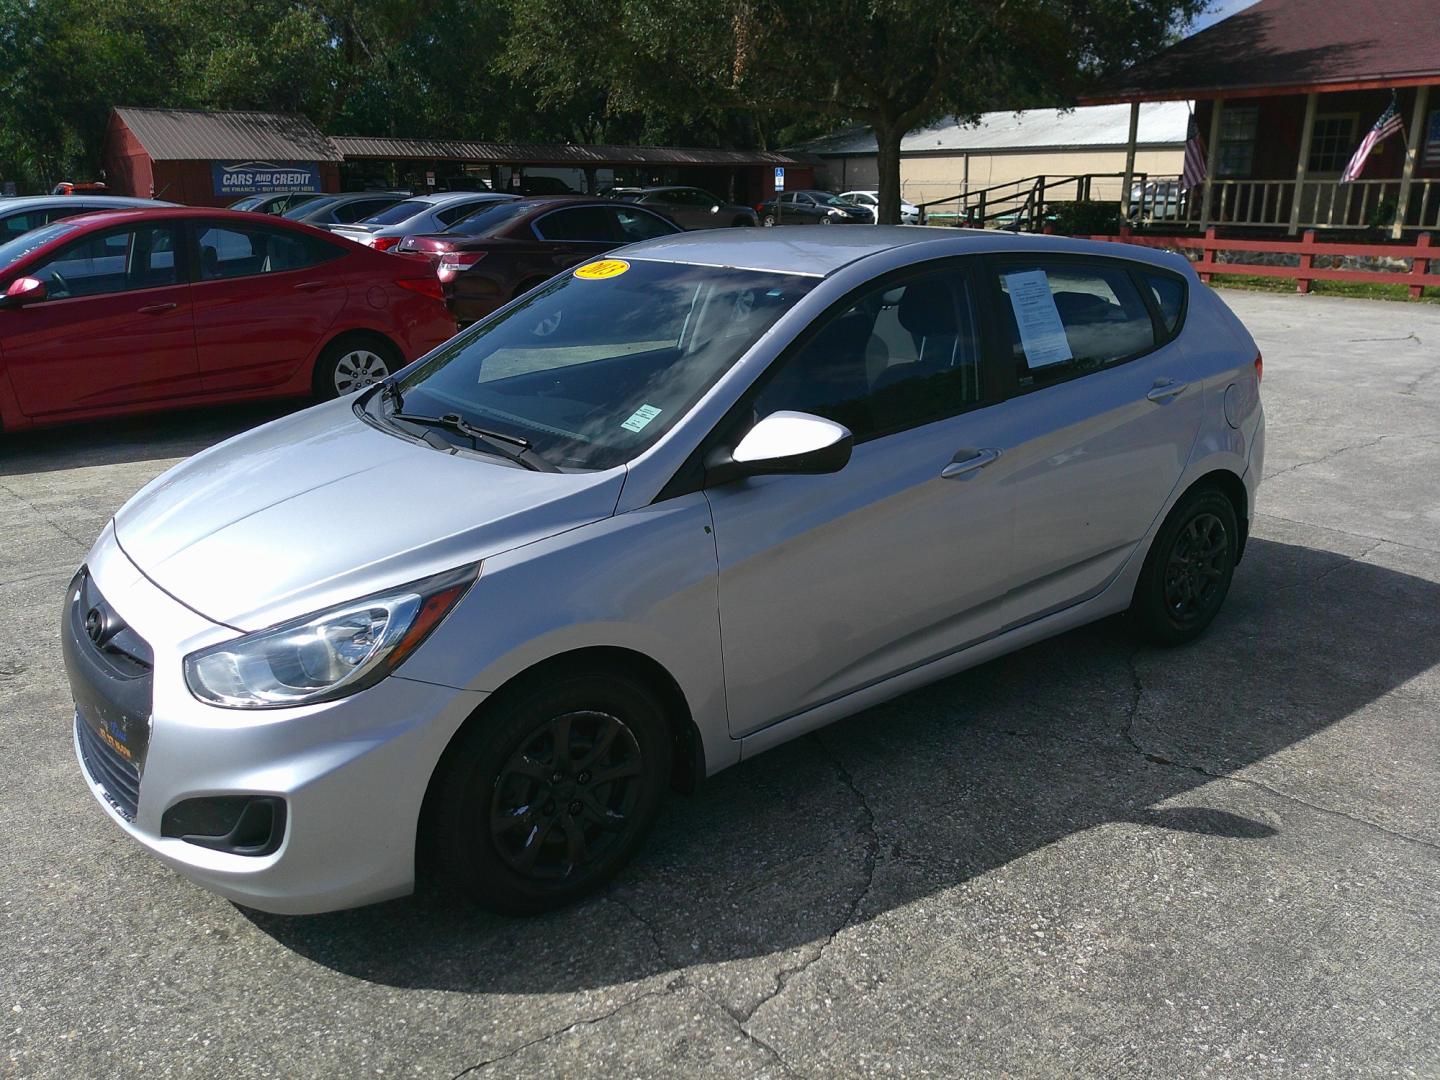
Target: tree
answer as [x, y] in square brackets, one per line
[891, 64]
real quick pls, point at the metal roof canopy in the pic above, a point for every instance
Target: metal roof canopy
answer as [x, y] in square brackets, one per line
[1161, 124]
[1291, 47]
[200, 135]
[354, 147]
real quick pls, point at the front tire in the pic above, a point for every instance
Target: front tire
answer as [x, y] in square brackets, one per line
[1188, 569]
[547, 796]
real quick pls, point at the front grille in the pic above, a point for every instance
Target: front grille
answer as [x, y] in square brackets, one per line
[118, 778]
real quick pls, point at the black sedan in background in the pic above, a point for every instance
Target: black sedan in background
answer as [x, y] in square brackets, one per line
[690, 207]
[344, 209]
[494, 255]
[811, 208]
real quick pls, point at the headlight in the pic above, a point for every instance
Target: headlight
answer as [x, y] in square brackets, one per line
[326, 655]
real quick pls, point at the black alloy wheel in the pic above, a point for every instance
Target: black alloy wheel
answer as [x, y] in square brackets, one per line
[1188, 569]
[548, 790]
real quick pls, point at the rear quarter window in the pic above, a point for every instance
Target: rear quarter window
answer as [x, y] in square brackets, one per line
[1169, 293]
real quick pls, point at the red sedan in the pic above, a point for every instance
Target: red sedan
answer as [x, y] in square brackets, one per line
[131, 310]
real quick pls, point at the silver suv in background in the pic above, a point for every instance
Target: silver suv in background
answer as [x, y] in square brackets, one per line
[477, 610]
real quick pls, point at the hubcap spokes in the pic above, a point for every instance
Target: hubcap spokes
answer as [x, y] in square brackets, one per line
[358, 369]
[566, 796]
[1196, 567]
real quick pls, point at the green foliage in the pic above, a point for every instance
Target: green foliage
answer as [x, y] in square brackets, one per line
[1088, 217]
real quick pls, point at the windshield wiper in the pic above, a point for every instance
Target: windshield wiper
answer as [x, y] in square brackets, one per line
[495, 441]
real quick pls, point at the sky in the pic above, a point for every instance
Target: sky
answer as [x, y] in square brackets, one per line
[1220, 9]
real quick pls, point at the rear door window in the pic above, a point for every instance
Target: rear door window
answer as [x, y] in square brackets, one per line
[1060, 319]
[592, 223]
[229, 251]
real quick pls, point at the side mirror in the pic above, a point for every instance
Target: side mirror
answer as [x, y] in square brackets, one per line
[22, 291]
[786, 443]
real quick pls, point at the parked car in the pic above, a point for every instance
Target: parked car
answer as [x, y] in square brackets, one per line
[30, 212]
[870, 200]
[344, 209]
[479, 608]
[130, 310]
[811, 208]
[277, 202]
[419, 213]
[496, 254]
[689, 207]
[1156, 200]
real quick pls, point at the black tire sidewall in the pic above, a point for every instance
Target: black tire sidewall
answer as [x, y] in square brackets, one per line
[1148, 610]
[323, 380]
[462, 846]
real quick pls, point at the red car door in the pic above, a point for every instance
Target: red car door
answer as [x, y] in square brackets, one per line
[115, 327]
[265, 298]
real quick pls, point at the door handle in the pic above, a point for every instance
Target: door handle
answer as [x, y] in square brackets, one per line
[158, 309]
[1165, 389]
[310, 286]
[965, 466]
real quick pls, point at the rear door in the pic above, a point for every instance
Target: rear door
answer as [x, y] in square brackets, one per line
[573, 234]
[265, 299]
[1105, 417]
[115, 329]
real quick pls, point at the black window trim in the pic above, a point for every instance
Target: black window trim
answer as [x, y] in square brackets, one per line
[995, 300]
[690, 475]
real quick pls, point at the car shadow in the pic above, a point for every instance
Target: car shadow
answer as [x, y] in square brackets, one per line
[947, 783]
[149, 437]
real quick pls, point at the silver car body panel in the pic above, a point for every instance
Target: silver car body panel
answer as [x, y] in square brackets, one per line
[776, 604]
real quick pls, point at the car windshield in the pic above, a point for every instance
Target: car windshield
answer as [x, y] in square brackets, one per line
[491, 218]
[594, 367]
[401, 211]
[14, 250]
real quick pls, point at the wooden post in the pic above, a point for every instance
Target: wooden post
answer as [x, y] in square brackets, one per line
[1311, 102]
[1420, 266]
[1130, 162]
[1207, 253]
[1307, 261]
[1412, 155]
[1039, 208]
[1212, 162]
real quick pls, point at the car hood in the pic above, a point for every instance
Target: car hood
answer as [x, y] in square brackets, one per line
[320, 507]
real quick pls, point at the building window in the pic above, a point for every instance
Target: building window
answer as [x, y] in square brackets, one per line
[1332, 141]
[1237, 140]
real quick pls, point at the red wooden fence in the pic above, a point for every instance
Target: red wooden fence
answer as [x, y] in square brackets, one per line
[1307, 249]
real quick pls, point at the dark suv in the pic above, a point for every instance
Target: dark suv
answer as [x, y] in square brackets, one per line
[691, 207]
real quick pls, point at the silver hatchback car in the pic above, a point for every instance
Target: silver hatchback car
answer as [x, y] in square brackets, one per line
[665, 512]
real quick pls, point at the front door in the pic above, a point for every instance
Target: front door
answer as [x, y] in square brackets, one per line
[830, 583]
[1105, 418]
[265, 299]
[115, 329]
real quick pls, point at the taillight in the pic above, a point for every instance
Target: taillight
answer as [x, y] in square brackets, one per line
[1259, 367]
[424, 286]
[384, 243]
[453, 262]
[759, 208]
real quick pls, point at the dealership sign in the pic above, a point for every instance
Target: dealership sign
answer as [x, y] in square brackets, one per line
[250, 177]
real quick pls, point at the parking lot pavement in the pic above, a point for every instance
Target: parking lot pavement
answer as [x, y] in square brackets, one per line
[1083, 859]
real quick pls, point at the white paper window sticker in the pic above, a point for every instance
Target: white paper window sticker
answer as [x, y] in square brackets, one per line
[640, 417]
[1042, 334]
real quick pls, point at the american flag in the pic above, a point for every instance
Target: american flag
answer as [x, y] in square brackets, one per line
[1388, 124]
[1194, 157]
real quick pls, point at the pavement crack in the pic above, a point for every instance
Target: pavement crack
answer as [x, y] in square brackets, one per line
[1366, 444]
[42, 516]
[1324, 575]
[1419, 380]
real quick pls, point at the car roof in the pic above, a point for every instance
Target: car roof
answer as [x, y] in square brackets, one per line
[120, 215]
[797, 249]
[40, 202]
[441, 197]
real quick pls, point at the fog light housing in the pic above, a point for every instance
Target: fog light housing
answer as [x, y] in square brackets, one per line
[250, 825]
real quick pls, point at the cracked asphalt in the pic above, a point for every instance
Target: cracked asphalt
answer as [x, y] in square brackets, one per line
[1086, 858]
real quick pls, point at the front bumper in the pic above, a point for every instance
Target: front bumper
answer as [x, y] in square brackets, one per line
[352, 773]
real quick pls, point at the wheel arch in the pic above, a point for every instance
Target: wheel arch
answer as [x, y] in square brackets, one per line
[357, 334]
[1233, 488]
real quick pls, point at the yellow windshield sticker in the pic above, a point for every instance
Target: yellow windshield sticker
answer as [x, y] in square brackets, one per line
[605, 268]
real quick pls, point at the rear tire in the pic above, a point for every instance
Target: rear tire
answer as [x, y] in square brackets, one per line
[1188, 569]
[350, 364]
[768, 220]
[549, 794]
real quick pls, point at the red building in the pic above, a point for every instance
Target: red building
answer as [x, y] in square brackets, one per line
[1285, 91]
[213, 158]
